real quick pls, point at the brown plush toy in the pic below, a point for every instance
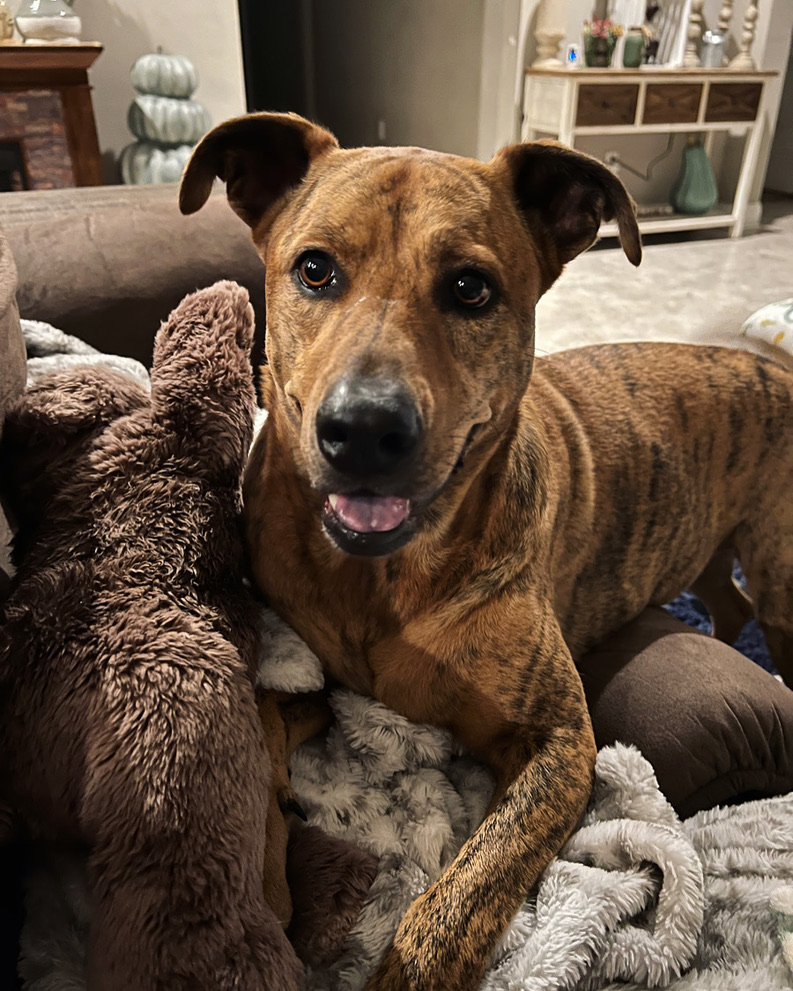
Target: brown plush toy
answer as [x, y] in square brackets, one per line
[127, 711]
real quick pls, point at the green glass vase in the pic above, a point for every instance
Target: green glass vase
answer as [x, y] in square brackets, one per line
[695, 190]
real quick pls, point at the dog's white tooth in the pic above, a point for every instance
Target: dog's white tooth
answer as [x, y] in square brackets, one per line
[333, 500]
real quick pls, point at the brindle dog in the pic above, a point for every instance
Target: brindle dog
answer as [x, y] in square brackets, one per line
[447, 535]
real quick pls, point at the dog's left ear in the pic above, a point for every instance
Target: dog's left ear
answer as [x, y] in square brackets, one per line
[565, 195]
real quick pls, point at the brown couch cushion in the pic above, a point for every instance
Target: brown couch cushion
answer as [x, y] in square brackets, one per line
[714, 725]
[107, 264]
[12, 370]
[12, 347]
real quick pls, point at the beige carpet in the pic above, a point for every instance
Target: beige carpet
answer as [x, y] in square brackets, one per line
[698, 290]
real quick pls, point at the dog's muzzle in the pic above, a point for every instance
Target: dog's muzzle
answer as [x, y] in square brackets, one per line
[370, 432]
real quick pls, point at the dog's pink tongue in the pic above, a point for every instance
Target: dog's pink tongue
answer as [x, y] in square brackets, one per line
[369, 514]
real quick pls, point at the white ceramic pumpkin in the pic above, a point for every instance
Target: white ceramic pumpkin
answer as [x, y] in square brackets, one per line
[169, 121]
[165, 75]
[144, 163]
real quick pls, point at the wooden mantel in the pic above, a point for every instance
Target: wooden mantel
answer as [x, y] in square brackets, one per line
[62, 69]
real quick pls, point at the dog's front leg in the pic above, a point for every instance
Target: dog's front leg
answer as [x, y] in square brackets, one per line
[544, 768]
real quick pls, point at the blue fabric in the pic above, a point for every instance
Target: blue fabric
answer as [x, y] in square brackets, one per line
[751, 642]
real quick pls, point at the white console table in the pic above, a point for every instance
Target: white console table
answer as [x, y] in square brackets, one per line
[569, 103]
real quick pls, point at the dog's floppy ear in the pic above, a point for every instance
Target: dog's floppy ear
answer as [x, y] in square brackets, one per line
[565, 196]
[258, 156]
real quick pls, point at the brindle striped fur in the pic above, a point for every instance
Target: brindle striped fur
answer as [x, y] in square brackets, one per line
[606, 484]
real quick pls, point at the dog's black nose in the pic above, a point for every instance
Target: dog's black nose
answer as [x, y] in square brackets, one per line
[368, 426]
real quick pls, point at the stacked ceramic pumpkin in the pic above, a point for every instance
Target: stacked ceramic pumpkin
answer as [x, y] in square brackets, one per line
[164, 119]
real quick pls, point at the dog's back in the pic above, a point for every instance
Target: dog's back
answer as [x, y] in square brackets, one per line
[639, 432]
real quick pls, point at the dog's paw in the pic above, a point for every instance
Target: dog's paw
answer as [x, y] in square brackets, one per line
[432, 950]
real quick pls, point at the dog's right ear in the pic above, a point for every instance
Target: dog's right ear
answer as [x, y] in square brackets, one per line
[258, 156]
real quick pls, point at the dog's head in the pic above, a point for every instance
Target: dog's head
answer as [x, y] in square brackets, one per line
[401, 286]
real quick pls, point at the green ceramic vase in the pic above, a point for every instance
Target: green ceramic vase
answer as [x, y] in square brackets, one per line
[695, 190]
[633, 50]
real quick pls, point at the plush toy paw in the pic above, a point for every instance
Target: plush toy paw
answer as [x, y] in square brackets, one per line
[49, 431]
[202, 388]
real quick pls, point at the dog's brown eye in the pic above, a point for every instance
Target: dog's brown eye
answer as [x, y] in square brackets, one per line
[315, 270]
[471, 289]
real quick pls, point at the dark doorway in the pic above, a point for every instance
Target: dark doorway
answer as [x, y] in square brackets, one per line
[275, 41]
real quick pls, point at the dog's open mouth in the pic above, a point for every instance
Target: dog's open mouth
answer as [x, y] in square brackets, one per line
[368, 525]
[369, 514]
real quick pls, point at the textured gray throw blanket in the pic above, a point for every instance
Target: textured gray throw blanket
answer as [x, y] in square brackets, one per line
[635, 900]
[50, 350]
[635, 897]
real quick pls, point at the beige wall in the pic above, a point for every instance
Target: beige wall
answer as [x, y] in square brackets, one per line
[208, 34]
[780, 165]
[500, 81]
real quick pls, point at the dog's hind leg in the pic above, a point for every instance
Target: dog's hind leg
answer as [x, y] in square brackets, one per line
[765, 550]
[730, 608]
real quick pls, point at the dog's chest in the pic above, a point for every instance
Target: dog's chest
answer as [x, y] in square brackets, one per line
[340, 636]
[365, 642]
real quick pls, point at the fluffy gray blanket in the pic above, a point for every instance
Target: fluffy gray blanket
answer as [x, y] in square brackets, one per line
[636, 899]
[50, 350]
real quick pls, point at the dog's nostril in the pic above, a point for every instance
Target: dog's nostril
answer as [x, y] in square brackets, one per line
[396, 443]
[334, 434]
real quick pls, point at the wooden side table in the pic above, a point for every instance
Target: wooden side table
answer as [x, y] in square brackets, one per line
[567, 104]
[48, 136]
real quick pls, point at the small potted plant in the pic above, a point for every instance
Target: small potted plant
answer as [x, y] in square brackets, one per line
[600, 37]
